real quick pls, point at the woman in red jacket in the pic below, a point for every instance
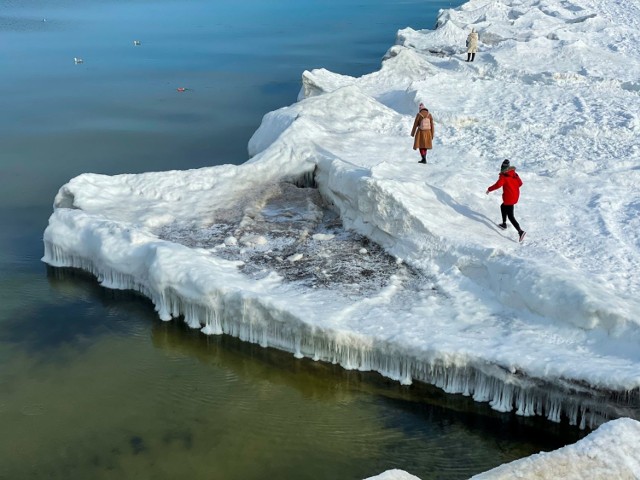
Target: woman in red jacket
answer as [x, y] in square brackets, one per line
[510, 183]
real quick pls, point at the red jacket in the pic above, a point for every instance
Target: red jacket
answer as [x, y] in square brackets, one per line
[510, 183]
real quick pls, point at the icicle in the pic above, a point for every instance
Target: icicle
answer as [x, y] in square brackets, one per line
[554, 411]
[583, 420]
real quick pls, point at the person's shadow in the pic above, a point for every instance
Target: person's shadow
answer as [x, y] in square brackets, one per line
[448, 200]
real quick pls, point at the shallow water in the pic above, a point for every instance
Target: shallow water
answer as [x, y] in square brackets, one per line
[92, 384]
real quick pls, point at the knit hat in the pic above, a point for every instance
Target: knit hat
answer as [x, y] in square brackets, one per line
[505, 166]
[421, 106]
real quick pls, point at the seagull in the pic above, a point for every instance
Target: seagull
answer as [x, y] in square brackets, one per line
[77, 60]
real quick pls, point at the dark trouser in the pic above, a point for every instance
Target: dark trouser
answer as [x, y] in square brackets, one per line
[507, 212]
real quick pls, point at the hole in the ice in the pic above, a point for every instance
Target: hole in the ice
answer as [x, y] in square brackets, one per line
[289, 230]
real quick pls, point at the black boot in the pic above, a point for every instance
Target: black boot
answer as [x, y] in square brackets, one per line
[468, 57]
[473, 57]
[424, 159]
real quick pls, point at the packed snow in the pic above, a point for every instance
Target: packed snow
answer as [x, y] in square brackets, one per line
[333, 243]
[394, 475]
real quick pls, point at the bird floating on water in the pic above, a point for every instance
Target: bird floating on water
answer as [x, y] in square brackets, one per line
[136, 42]
[78, 60]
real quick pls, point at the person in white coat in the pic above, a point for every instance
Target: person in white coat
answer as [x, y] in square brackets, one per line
[472, 45]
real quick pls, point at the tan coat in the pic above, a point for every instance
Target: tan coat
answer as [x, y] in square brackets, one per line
[422, 138]
[472, 42]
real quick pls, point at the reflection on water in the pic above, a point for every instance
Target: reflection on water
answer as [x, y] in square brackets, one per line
[130, 396]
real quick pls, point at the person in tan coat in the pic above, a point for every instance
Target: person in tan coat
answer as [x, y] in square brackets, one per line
[472, 45]
[423, 131]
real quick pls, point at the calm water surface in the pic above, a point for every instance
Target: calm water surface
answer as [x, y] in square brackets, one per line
[92, 384]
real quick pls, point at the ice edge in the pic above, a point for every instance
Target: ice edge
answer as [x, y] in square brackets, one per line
[249, 319]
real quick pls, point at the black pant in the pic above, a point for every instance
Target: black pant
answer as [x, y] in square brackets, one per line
[507, 212]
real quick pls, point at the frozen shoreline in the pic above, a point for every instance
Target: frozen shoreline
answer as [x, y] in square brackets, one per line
[547, 329]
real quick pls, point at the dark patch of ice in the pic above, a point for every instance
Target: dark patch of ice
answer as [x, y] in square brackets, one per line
[289, 230]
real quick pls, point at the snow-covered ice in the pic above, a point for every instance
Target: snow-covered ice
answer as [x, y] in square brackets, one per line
[333, 243]
[394, 475]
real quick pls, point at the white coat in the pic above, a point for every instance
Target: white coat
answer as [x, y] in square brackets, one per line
[472, 42]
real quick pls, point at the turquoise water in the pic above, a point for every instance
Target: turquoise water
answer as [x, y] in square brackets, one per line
[92, 384]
